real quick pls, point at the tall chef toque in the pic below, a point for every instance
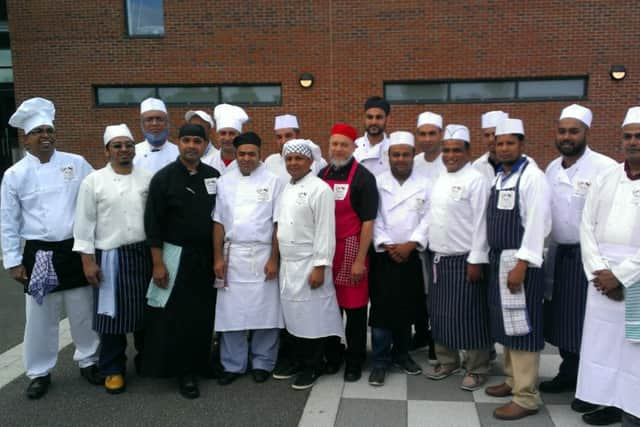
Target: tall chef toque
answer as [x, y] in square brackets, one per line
[32, 113]
[229, 117]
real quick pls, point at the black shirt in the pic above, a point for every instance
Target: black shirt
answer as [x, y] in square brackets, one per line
[179, 206]
[364, 191]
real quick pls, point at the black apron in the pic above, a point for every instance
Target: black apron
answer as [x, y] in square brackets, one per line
[66, 263]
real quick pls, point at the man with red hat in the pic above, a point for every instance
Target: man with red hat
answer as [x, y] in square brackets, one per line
[356, 197]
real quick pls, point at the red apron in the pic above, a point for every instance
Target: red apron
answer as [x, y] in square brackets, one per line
[348, 226]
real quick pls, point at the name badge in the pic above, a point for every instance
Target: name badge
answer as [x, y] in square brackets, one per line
[635, 197]
[581, 188]
[211, 185]
[302, 199]
[340, 191]
[456, 192]
[506, 200]
[263, 194]
[67, 173]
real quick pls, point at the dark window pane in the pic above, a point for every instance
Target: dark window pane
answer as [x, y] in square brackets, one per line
[145, 17]
[5, 58]
[416, 92]
[6, 75]
[251, 94]
[482, 91]
[189, 95]
[124, 95]
[544, 89]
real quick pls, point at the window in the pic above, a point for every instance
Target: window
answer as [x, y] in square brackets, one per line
[145, 18]
[6, 66]
[572, 88]
[257, 94]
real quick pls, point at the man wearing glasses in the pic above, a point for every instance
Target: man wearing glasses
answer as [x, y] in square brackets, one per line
[38, 205]
[156, 151]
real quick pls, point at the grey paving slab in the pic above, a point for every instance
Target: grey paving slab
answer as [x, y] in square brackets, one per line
[371, 413]
[442, 414]
[420, 387]
[485, 413]
[557, 398]
[11, 312]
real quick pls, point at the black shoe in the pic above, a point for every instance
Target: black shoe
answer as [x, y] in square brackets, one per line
[603, 417]
[38, 387]
[92, 375]
[305, 379]
[376, 378]
[189, 387]
[228, 377]
[581, 406]
[352, 372]
[285, 371]
[558, 384]
[260, 375]
[409, 366]
[331, 368]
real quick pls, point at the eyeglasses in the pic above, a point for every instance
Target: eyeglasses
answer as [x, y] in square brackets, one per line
[119, 145]
[151, 119]
[40, 131]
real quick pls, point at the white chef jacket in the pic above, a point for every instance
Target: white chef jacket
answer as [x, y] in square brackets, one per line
[609, 372]
[275, 164]
[534, 210]
[306, 238]
[431, 170]
[373, 157]
[402, 211]
[209, 155]
[151, 160]
[485, 168]
[38, 201]
[110, 210]
[458, 215]
[569, 189]
[216, 162]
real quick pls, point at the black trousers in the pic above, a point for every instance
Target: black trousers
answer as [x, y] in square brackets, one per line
[309, 353]
[569, 365]
[112, 358]
[356, 335]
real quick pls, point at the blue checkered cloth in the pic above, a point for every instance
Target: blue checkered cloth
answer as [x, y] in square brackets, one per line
[43, 277]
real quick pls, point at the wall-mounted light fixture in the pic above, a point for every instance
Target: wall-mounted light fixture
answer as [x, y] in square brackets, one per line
[618, 72]
[306, 80]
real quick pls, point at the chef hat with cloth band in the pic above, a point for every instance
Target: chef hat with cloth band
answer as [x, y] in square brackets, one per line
[115, 131]
[510, 126]
[229, 116]
[632, 117]
[429, 118]
[578, 112]
[286, 121]
[202, 114]
[491, 119]
[32, 113]
[152, 104]
[344, 129]
[401, 138]
[458, 132]
[301, 146]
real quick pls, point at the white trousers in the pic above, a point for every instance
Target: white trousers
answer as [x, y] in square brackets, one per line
[40, 348]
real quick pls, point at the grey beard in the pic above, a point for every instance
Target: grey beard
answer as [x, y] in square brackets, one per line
[339, 163]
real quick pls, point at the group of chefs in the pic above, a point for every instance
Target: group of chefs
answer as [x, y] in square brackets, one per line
[286, 263]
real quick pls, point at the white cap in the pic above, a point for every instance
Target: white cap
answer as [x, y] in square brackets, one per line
[32, 113]
[509, 126]
[575, 111]
[152, 104]
[401, 138]
[632, 117]
[229, 116]
[429, 118]
[301, 146]
[491, 119]
[115, 131]
[286, 121]
[459, 132]
[203, 115]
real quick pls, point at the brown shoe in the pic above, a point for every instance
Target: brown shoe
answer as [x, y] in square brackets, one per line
[512, 411]
[500, 390]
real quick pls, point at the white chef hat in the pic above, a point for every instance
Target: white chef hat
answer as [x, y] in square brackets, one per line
[632, 117]
[575, 111]
[301, 146]
[510, 126]
[490, 119]
[459, 132]
[115, 131]
[152, 104]
[32, 113]
[429, 118]
[401, 138]
[286, 121]
[229, 116]
[203, 115]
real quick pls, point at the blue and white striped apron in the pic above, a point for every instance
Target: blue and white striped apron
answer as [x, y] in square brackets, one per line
[505, 231]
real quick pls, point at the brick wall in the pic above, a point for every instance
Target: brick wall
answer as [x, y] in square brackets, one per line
[62, 47]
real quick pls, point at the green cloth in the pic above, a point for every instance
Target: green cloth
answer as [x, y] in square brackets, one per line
[157, 296]
[632, 313]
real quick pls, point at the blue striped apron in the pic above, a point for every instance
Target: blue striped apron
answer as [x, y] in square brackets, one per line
[564, 314]
[132, 283]
[505, 231]
[458, 308]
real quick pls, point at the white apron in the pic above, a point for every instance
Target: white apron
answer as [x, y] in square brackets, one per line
[308, 313]
[248, 302]
[609, 372]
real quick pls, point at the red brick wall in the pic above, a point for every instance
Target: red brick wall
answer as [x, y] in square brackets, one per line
[63, 47]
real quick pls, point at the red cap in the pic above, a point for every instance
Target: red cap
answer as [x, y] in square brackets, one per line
[344, 129]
